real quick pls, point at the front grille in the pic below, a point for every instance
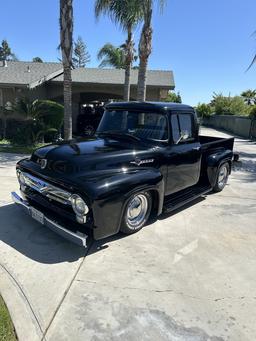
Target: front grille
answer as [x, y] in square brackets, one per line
[51, 199]
[46, 189]
[60, 215]
[64, 211]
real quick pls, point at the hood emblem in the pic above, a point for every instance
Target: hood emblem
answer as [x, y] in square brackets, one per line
[42, 163]
[139, 162]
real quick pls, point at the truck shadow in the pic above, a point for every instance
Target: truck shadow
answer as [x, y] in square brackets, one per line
[42, 245]
[33, 240]
[102, 244]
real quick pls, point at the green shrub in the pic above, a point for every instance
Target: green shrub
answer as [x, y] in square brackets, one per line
[173, 97]
[238, 106]
[203, 110]
[252, 113]
[24, 134]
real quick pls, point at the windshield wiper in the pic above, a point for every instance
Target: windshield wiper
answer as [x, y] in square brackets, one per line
[119, 134]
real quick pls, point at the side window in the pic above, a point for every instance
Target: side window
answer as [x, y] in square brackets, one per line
[182, 123]
[175, 128]
[185, 121]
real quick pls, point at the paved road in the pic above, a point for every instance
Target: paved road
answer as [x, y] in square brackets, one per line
[189, 276]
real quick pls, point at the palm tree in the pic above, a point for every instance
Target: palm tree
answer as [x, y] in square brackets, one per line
[249, 96]
[66, 45]
[145, 45]
[47, 116]
[127, 14]
[112, 56]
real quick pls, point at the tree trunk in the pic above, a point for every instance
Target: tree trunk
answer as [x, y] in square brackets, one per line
[142, 79]
[128, 64]
[66, 44]
[127, 82]
[145, 48]
[67, 84]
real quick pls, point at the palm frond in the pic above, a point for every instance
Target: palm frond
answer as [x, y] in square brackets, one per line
[124, 13]
[253, 62]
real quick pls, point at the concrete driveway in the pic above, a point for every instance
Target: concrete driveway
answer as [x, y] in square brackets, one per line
[189, 276]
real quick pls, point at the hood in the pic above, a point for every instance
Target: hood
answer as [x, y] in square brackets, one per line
[94, 154]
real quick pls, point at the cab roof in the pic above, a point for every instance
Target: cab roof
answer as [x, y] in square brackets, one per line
[158, 106]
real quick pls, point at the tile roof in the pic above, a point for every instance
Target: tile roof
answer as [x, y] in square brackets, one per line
[28, 73]
[116, 76]
[31, 74]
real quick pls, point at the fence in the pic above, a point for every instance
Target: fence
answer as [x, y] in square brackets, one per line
[238, 125]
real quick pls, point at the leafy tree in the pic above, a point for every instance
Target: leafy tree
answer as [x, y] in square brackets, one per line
[111, 56]
[81, 56]
[252, 112]
[127, 14]
[173, 97]
[249, 97]
[223, 105]
[145, 44]
[66, 46]
[203, 110]
[6, 52]
[37, 60]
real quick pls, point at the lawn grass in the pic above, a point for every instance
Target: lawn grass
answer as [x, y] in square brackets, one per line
[7, 147]
[7, 332]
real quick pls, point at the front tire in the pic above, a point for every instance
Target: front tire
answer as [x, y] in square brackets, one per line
[136, 213]
[222, 177]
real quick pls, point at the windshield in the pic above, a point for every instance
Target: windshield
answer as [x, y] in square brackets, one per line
[143, 125]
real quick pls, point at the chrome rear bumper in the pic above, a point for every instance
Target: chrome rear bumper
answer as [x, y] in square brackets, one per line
[74, 237]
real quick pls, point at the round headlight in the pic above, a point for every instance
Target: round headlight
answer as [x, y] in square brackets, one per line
[21, 178]
[79, 206]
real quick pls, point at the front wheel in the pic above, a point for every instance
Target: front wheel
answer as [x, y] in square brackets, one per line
[136, 213]
[222, 177]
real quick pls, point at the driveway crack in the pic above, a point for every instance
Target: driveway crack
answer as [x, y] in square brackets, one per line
[23, 294]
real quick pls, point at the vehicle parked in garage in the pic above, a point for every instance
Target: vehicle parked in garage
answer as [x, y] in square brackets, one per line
[146, 158]
[89, 119]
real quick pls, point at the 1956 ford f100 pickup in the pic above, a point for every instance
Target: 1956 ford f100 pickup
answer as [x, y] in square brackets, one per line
[145, 159]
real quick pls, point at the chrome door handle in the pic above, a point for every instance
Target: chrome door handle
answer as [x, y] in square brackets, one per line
[196, 148]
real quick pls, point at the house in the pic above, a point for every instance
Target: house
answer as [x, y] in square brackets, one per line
[45, 81]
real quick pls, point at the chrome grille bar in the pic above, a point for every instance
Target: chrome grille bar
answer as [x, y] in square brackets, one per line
[44, 188]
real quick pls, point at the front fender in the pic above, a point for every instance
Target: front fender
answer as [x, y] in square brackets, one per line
[112, 193]
[214, 161]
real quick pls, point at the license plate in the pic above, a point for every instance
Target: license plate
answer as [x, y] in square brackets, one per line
[37, 215]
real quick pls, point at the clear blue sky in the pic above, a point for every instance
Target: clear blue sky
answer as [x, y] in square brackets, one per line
[208, 44]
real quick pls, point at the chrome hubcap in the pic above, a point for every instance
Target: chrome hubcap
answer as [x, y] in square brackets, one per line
[137, 210]
[223, 177]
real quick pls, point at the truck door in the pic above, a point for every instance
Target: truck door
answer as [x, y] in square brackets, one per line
[184, 152]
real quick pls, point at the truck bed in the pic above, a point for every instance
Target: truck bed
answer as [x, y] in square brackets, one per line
[211, 143]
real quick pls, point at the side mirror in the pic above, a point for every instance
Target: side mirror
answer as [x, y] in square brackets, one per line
[183, 136]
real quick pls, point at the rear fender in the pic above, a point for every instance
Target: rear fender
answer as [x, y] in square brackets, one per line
[214, 161]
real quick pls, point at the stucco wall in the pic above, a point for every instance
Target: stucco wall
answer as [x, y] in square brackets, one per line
[237, 125]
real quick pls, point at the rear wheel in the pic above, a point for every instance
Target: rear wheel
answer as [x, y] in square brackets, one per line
[136, 213]
[222, 177]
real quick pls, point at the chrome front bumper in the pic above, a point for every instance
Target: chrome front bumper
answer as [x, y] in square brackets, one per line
[74, 237]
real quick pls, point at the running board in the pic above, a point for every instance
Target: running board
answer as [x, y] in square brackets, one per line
[176, 200]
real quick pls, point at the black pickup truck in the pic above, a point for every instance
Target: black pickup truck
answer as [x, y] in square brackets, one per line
[145, 159]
